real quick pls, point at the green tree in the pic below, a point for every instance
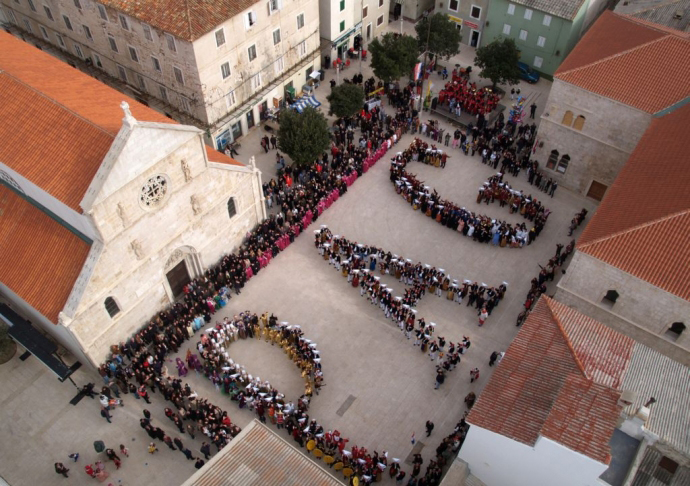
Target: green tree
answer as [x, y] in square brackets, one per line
[346, 99]
[498, 62]
[444, 38]
[303, 136]
[393, 56]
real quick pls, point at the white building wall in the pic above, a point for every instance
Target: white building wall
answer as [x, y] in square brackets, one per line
[499, 461]
[193, 217]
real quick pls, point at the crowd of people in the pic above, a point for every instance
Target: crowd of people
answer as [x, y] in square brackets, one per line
[479, 227]
[463, 96]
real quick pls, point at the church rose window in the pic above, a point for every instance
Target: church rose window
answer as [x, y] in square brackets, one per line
[153, 191]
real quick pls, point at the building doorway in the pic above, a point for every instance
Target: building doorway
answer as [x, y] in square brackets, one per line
[178, 277]
[474, 38]
[597, 190]
[368, 33]
[250, 118]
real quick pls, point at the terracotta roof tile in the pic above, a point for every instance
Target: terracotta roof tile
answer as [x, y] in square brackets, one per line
[583, 417]
[638, 65]
[639, 225]
[221, 158]
[185, 19]
[57, 123]
[41, 259]
[556, 344]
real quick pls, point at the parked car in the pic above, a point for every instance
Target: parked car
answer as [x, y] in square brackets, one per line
[527, 73]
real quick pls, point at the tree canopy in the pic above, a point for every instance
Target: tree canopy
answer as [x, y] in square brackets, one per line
[303, 136]
[498, 61]
[444, 37]
[393, 56]
[346, 99]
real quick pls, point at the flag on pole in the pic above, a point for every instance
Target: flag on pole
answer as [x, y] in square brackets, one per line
[428, 91]
[417, 71]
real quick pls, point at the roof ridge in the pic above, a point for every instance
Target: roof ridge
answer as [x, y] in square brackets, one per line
[633, 228]
[613, 56]
[579, 364]
[56, 102]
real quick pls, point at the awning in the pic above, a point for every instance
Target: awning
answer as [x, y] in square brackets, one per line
[36, 343]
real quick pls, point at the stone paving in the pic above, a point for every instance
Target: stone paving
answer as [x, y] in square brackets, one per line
[379, 388]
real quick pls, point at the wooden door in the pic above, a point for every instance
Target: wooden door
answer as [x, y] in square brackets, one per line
[597, 190]
[178, 277]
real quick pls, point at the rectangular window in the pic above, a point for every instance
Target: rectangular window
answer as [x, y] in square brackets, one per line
[220, 37]
[124, 22]
[230, 99]
[97, 61]
[147, 32]
[541, 41]
[68, 22]
[49, 14]
[78, 51]
[249, 20]
[87, 32]
[113, 43]
[302, 48]
[184, 103]
[256, 81]
[61, 41]
[102, 12]
[365, 11]
[528, 14]
[178, 75]
[141, 82]
[280, 65]
[122, 73]
[32, 6]
[171, 43]
[274, 6]
[476, 12]
[342, 5]
[547, 20]
[454, 5]
[511, 9]
[380, 3]
[506, 29]
[163, 92]
[27, 26]
[251, 52]
[13, 19]
[342, 26]
[538, 61]
[276, 37]
[225, 70]
[77, 3]
[156, 64]
[300, 21]
[523, 35]
[133, 53]
[44, 32]
[379, 21]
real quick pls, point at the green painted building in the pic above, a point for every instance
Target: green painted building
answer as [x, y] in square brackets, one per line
[545, 31]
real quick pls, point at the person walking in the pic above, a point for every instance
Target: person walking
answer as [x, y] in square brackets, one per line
[143, 393]
[105, 414]
[474, 375]
[532, 110]
[492, 358]
[199, 463]
[554, 186]
[152, 448]
[61, 469]
[440, 378]
[147, 414]
[483, 314]
[205, 450]
[429, 427]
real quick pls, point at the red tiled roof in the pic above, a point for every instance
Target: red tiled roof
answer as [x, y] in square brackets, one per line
[185, 19]
[634, 63]
[641, 224]
[583, 417]
[57, 123]
[221, 158]
[526, 396]
[41, 259]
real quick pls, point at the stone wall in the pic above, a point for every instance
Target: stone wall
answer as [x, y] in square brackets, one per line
[141, 244]
[597, 152]
[642, 311]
